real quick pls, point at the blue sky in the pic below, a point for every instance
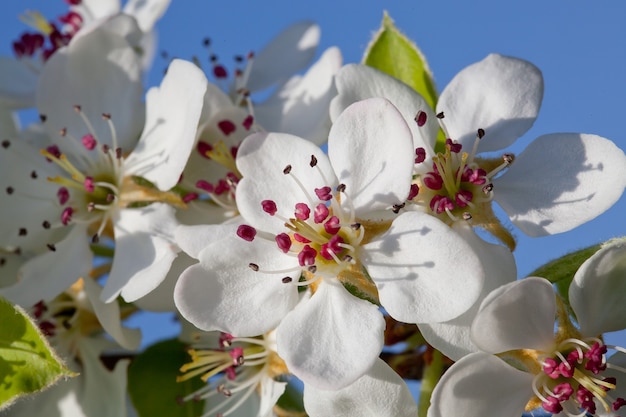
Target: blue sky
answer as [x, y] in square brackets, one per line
[579, 46]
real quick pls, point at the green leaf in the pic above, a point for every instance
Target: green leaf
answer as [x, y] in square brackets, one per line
[27, 362]
[152, 382]
[561, 271]
[291, 401]
[391, 52]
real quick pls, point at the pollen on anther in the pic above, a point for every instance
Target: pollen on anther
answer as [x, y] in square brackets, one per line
[246, 232]
[420, 118]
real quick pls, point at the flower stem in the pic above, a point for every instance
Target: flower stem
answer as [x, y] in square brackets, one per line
[432, 373]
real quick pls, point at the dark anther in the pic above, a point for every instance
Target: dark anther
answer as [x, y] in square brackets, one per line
[312, 269]
[440, 115]
[341, 188]
[287, 169]
[397, 207]
[6, 144]
[95, 238]
[10, 190]
[355, 226]
[43, 118]
[253, 267]
[51, 247]
[33, 174]
[508, 158]
[313, 161]
[106, 116]
[481, 133]
[487, 188]
[77, 108]
[23, 231]
[286, 280]
[467, 216]
[46, 224]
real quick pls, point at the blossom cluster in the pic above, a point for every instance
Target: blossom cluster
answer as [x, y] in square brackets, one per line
[291, 234]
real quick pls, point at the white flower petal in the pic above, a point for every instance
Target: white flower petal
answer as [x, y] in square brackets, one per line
[97, 9]
[147, 12]
[452, 337]
[597, 292]
[371, 149]
[109, 317]
[68, 78]
[18, 83]
[103, 393]
[223, 293]
[9, 123]
[300, 107]
[561, 181]
[270, 393]
[31, 201]
[332, 339]
[380, 392]
[519, 315]
[193, 239]
[47, 275]
[499, 94]
[481, 385]
[425, 272]
[357, 82]
[144, 251]
[289, 52]
[173, 111]
[261, 160]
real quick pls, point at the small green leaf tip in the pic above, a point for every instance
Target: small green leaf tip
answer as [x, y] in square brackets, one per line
[27, 362]
[391, 52]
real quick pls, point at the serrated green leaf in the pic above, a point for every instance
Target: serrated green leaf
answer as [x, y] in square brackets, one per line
[27, 362]
[152, 382]
[391, 52]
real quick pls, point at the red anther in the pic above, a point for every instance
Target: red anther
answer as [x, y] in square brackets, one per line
[246, 232]
[284, 242]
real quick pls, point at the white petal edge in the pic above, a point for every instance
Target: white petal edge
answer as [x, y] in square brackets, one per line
[109, 317]
[332, 339]
[173, 112]
[499, 94]
[290, 51]
[519, 315]
[379, 393]
[561, 181]
[597, 292]
[481, 385]
[452, 337]
[144, 251]
[371, 150]
[424, 271]
[49, 274]
[357, 82]
[300, 107]
[223, 293]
